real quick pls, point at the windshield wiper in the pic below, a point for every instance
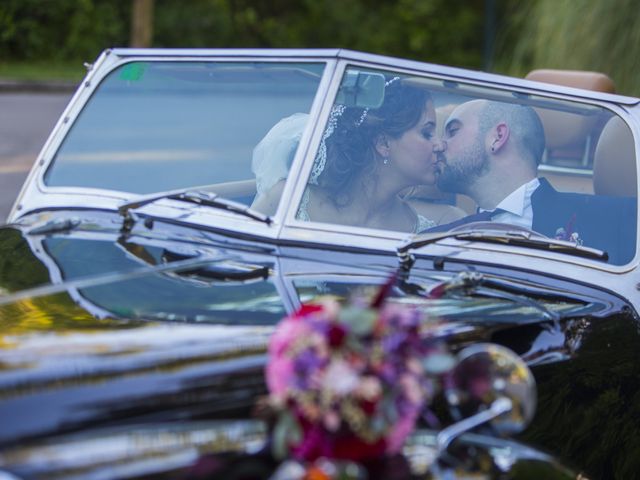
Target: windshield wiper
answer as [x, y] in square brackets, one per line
[190, 195]
[476, 283]
[520, 238]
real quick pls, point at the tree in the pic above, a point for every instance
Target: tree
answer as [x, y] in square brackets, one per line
[141, 23]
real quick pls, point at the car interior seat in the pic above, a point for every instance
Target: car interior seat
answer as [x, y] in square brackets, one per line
[614, 163]
[569, 136]
[570, 140]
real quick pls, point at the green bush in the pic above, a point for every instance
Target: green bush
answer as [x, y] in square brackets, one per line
[62, 29]
[440, 31]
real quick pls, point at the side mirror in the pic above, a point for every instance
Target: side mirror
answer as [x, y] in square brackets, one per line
[361, 89]
[490, 384]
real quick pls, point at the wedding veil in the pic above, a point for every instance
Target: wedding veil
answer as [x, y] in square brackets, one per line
[273, 155]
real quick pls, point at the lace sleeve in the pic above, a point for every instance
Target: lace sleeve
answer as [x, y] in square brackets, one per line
[422, 222]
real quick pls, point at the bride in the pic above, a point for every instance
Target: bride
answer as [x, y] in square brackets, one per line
[367, 159]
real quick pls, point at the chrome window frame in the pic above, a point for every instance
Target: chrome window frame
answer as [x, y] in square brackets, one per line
[286, 229]
[36, 195]
[356, 238]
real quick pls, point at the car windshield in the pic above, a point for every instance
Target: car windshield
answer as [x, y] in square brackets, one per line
[158, 126]
[435, 155]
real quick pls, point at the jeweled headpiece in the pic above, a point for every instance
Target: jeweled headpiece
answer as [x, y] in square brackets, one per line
[336, 112]
[366, 110]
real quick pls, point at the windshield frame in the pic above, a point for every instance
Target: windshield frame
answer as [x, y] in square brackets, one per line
[36, 195]
[286, 229]
[376, 240]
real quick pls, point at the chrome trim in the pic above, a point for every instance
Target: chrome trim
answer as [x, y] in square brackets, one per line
[228, 52]
[36, 246]
[55, 138]
[494, 80]
[317, 120]
[575, 172]
[296, 175]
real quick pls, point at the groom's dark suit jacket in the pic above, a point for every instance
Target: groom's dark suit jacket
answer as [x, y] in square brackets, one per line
[602, 222]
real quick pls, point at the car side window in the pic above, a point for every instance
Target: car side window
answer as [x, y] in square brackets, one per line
[436, 155]
[372, 159]
[158, 126]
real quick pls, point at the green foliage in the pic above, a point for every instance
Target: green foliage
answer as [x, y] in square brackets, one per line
[61, 29]
[36, 70]
[589, 407]
[19, 268]
[441, 31]
[573, 34]
[408, 28]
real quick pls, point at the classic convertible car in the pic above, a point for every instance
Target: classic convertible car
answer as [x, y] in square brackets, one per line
[189, 200]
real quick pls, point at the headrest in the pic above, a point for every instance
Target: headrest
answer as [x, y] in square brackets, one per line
[563, 129]
[595, 81]
[614, 163]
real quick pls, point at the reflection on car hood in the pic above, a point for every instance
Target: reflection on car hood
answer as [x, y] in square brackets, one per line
[106, 372]
[109, 331]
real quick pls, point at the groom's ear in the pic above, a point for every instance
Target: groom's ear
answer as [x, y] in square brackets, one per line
[382, 145]
[498, 136]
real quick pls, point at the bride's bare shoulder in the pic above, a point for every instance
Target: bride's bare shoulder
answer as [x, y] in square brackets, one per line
[321, 206]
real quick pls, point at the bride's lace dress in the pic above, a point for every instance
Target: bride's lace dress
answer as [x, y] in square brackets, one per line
[422, 223]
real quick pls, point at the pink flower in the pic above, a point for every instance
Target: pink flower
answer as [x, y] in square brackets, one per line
[399, 432]
[278, 373]
[279, 369]
[324, 359]
[412, 389]
[340, 378]
[331, 421]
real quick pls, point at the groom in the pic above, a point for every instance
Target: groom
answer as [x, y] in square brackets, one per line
[490, 151]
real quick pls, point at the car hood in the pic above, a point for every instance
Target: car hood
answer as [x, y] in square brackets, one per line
[100, 331]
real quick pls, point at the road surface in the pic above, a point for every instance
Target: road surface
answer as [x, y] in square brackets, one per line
[26, 119]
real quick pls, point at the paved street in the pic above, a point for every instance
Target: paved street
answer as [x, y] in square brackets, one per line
[26, 120]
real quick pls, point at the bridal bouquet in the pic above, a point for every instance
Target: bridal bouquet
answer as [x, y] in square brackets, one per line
[349, 382]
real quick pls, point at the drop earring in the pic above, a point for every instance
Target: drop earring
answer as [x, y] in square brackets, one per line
[385, 160]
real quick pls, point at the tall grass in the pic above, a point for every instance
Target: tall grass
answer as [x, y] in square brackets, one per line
[594, 35]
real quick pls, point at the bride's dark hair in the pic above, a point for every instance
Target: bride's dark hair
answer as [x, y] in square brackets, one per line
[351, 148]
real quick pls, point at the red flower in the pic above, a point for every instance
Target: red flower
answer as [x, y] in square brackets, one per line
[353, 448]
[368, 406]
[336, 334]
[308, 308]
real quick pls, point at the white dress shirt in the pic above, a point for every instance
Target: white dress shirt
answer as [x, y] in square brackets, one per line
[517, 206]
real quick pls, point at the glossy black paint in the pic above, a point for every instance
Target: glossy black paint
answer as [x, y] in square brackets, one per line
[101, 330]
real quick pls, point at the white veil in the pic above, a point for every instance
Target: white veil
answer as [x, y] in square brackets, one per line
[273, 155]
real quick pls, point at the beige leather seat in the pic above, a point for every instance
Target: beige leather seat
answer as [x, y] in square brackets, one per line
[614, 163]
[569, 136]
[595, 81]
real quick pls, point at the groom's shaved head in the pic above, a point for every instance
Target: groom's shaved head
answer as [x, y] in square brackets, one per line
[524, 125]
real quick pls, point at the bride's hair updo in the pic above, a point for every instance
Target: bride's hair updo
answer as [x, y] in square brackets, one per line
[351, 148]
